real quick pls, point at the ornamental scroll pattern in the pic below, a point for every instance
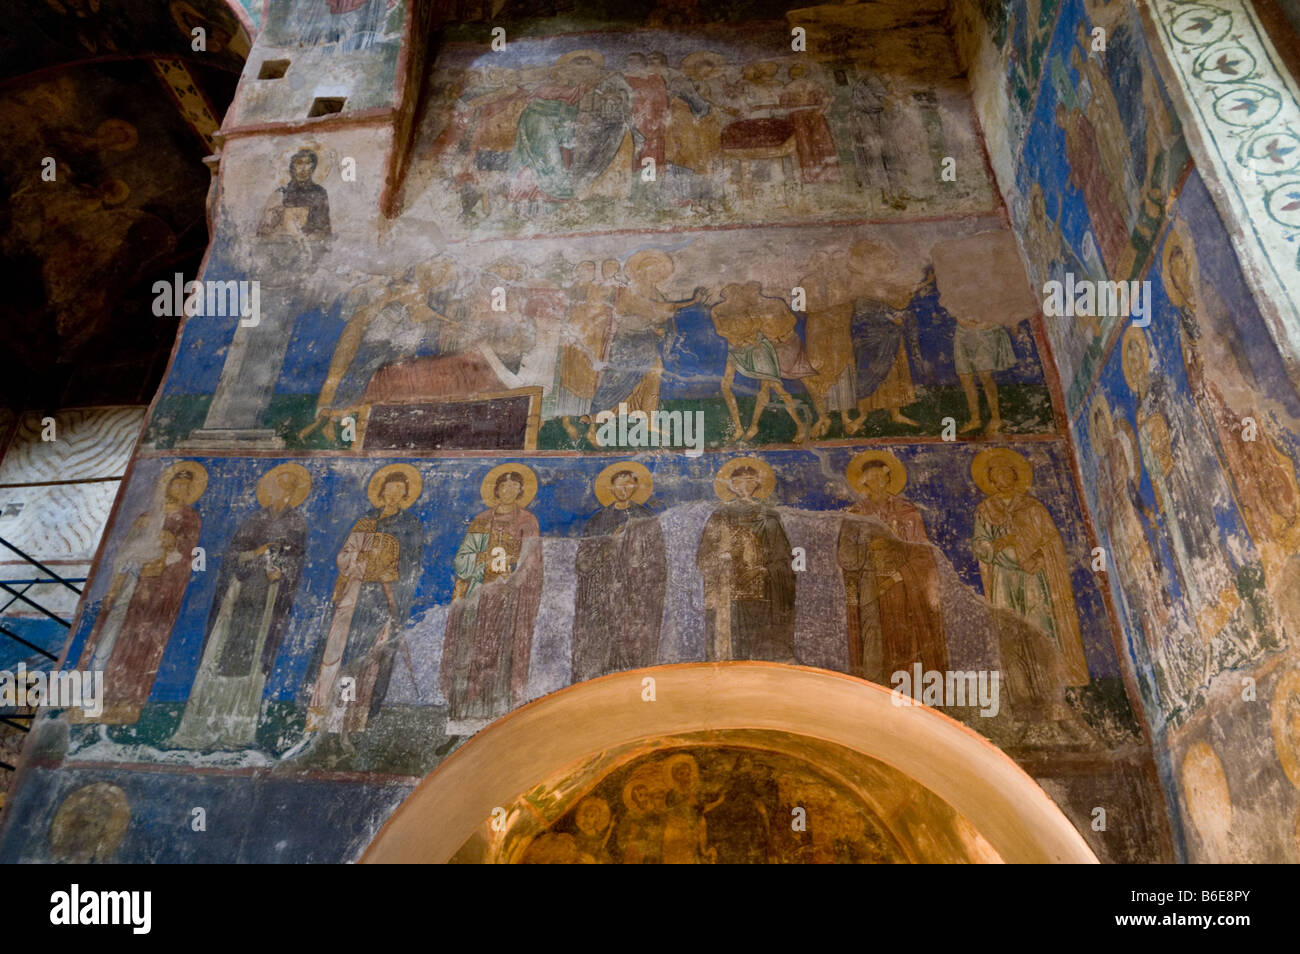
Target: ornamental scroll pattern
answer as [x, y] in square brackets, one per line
[1248, 110]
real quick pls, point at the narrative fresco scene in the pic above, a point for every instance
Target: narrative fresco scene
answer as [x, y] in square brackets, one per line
[1185, 420]
[654, 336]
[717, 803]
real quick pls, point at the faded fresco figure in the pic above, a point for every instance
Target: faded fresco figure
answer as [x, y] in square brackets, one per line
[1078, 344]
[136, 618]
[586, 338]
[983, 285]
[301, 208]
[686, 839]
[1176, 464]
[592, 819]
[891, 578]
[476, 144]
[644, 334]
[571, 130]
[498, 589]
[1262, 475]
[762, 344]
[696, 113]
[743, 818]
[1103, 199]
[352, 24]
[622, 569]
[1125, 518]
[882, 329]
[828, 337]
[807, 101]
[249, 614]
[1022, 558]
[379, 566]
[649, 108]
[744, 558]
[878, 165]
[640, 832]
[395, 322]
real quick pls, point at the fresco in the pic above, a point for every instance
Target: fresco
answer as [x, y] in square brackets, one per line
[1211, 556]
[702, 323]
[1185, 426]
[790, 401]
[348, 607]
[111, 218]
[63, 32]
[341, 51]
[715, 805]
[551, 135]
[1245, 107]
[1091, 202]
[1214, 388]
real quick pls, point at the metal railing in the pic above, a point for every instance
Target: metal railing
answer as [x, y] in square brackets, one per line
[13, 722]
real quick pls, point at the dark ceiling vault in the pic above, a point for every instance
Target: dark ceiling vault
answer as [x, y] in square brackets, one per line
[115, 94]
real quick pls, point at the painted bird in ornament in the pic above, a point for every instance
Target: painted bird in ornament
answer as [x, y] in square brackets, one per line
[1225, 65]
[1276, 152]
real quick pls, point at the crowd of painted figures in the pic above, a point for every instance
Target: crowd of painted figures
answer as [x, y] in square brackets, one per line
[744, 559]
[584, 125]
[611, 337]
[716, 806]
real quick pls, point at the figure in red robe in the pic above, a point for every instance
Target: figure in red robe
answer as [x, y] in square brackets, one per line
[136, 619]
[649, 108]
[495, 599]
[891, 579]
[807, 100]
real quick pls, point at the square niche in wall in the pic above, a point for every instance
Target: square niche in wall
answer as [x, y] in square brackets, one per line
[325, 105]
[273, 69]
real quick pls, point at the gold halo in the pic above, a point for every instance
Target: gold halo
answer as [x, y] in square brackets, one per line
[674, 760]
[1205, 789]
[627, 795]
[645, 482]
[1099, 404]
[651, 776]
[979, 469]
[767, 479]
[117, 134]
[595, 56]
[506, 268]
[1179, 238]
[655, 265]
[703, 64]
[488, 492]
[434, 273]
[324, 162]
[101, 802]
[302, 484]
[897, 472]
[599, 803]
[414, 483]
[1285, 741]
[1130, 333]
[114, 192]
[199, 475]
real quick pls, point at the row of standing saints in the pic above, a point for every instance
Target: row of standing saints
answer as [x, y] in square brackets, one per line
[890, 570]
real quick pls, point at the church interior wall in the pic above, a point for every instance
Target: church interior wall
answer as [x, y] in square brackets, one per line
[1179, 425]
[396, 475]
